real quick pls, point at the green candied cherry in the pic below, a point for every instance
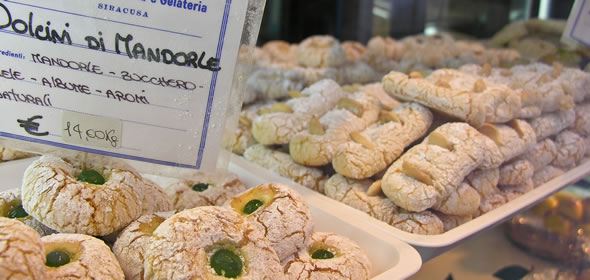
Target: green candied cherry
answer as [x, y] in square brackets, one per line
[200, 187]
[91, 176]
[252, 206]
[17, 212]
[322, 254]
[226, 263]
[57, 258]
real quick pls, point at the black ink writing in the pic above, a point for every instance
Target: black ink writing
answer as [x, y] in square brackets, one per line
[11, 74]
[69, 64]
[90, 134]
[31, 126]
[158, 81]
[129, 97]
[10, 95]
[40, 32]
[54, 82]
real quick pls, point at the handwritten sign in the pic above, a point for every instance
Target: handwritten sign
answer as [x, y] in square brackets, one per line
[578, 24]
[147, 80]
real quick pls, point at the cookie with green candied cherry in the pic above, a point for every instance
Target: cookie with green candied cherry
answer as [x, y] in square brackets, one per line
[204, 189]
[278, 211]
[22, 255]
[328, 256]
[79, 255]
[210, 242]
[11, 207]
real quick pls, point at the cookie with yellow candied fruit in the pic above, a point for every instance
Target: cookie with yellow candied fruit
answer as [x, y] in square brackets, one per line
[87, 194]
[79, 256]
[328, 256]
[280, 213]
[22, 254]
[133, 241]
[210, 242]
[11, 207]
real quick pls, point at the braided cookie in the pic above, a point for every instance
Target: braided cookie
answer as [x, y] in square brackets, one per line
[541, 155]
[11, 207]
[22, 255]
[328, 256]
[376, 147]
[359, 194]
[570, 149]
[513, 138]
[463, 105]
[78, 256]
[7, 154]
[282, 164]
[95, 196]
[354, 50]
[133, 241]
[501, 104]
[204, 189]
[272, 83]
[316, 146]
[279, 212]
[429, 172]
[293, 116]
[552, 123]
[320, 51]
[546, 174]
[582, 123]
[209, 242]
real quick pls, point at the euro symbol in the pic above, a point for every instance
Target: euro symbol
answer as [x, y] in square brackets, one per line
[31, 126]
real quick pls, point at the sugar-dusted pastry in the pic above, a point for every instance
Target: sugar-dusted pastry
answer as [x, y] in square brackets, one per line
[22, 255]
[7, 154]
[293, 116]
[204, 189]
[359, 72]
[581, 125]
[316, 145]
[354, 50]
[543, 80]
[320, 51]
[11, 207]
[79, 256]
[574, 81]
[92, 195]
[376, 147]
[209, 242]
[570, 149]
[542, 154]
[511, 192]
[366, 197]
[452, 221]
[379, 63]
[424, 176]
[552, 123]
[242, 137]
[154, 198]
[281, 51]
[546, 174]
[461, 201]
[429, 50]
[386, 47]
[485, 182]
[376, 90]
[273, 83]
[516, 172]
[457, 103]
[133, 241]
[282, 164]
[279, 212]
[512, 138]
[314, 75]
[328, 256]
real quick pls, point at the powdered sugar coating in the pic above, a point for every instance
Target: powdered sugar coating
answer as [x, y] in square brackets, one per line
[516, 172]
[22, 255]
[320, 51]
[8, 200]
[570, 149]
[552, 123]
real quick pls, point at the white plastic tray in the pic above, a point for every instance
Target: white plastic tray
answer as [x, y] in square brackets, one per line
[390, 257]
[429, 246]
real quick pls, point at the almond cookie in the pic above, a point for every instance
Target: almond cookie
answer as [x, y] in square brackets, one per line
[291, 117]
[22, 255]
[354, 50]
[95, 195]
[154, 198]
[272, 83]
[359, 72]
[516, 172]
[314, 75]
[513, 191]
[78, 256]
[204, 189]
[316, 146]
[570, 149]
[546, 174]
[133, 241]
[364, 196]
[574, 81]
[513, 138]
[485, 182]
[452, 221]
[552, 123]
[386, 47]
[7, 154]
[279, 212]
[328, 256]
[582, 123]
[242, 137]
[461, 201]
[281, 51]
[282, 164]
[11, 207]
[541, 155]
[209, 242]
[542, 79]
[429, 172]
[320, 51]
[379, 145]
[463, 105]
[376, 90]
[429, 50]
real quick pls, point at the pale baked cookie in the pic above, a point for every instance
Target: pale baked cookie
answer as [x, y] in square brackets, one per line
[574, 81]
[314, 75]
[365, 196]
[317, 145]
[242, 137]
[209, 242]
[279, 212]
[461, 201]
[552, 123]
[376, 147]
[320, 51]
[11, 207]
[459, 104]
[452, 221]
[485, 182]
[570, 149]
[154, 198]
[541, 155]
[516, 172]
[546, 174]
[282, 164]
[7, 154]
[379, 63]
[272, 83]
[133, 241]
[293, 116]
[429, 50]
[513, 191]
[22, 255]
[424, 176]
[544, 81]
[582, 123]
[78, 256]
[204, 189]
[281, 51]
[376, 90]
[510, 32]
[359, 72]
[354, 50]
[386, 47]
[512, 138]
[328, 256]
[92, 195]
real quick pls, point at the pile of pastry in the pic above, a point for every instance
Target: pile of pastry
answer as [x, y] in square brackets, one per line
[70, 209]
[461, 143]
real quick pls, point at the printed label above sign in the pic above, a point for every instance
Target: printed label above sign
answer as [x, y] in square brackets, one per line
[146, 72]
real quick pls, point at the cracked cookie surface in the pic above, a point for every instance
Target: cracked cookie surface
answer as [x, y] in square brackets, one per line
[22, 255]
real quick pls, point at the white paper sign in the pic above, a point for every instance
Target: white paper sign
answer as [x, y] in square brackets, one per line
[578, 24]
[154, 71]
